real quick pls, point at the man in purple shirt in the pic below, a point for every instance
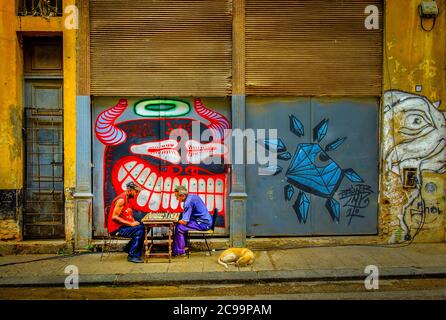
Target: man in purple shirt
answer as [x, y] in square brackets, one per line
[195, 217]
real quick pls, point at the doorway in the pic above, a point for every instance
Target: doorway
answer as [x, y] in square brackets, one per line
[43, 214]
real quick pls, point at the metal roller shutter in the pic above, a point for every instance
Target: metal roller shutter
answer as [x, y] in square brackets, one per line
[317, 47]
[163, 47]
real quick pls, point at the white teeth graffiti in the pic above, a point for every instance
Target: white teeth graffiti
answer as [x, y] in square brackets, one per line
[164, 150]
[167, 150]
[198, 152]
[167, 192]
[150, 182]
[173, 200]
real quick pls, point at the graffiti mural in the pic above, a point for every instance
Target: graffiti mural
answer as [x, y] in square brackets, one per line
[414, 144]
[156, 148]
[313, 171]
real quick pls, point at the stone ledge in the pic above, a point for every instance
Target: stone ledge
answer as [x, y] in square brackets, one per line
[35, 247]
[217, 243]
[303, 275]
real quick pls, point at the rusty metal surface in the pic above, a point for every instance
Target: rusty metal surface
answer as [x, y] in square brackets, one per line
[161, 47]
[313, 47]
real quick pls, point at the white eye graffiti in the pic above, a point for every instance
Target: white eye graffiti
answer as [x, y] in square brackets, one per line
[415, 123]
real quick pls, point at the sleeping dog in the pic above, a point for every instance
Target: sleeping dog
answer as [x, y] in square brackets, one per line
[242, 257]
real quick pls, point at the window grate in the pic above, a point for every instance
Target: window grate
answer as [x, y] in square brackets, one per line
[41, 8]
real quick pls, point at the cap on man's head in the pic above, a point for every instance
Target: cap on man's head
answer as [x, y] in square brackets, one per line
[132, 185]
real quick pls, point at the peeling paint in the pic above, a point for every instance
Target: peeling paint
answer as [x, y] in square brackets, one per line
[414, 137]
[15, 118]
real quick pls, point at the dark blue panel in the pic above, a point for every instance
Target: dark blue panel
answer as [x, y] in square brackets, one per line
[352, 142]
[330, 177]
[268, 210]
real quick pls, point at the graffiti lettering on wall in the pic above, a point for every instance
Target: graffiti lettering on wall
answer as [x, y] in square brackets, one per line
[144, 152]
[414, 139]
[313, 171]
[357, 198]
[423, 211]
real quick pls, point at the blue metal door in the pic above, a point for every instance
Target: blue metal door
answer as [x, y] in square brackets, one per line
[325, 181]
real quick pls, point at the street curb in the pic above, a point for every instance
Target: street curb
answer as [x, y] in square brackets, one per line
[179, 278]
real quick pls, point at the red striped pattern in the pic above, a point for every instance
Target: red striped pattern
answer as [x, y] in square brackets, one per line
[218, 123]
[105, 128]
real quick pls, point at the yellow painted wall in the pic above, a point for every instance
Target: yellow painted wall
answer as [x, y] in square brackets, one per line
[413, 57]
[11, 106]
[69, 65]
[11, 176]
[11, 79]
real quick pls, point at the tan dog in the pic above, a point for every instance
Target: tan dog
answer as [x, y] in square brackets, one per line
[242, 257]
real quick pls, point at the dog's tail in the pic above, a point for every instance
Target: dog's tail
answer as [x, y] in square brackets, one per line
[222, 263]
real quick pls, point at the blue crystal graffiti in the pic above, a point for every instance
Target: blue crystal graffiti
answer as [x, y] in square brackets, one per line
[311, 170]
[296, 126]
[275, 145]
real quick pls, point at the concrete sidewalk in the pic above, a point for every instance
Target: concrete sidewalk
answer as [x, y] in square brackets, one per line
[299, 264]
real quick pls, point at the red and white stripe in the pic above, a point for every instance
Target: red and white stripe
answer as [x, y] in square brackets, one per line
[218, 122]
[105, 128]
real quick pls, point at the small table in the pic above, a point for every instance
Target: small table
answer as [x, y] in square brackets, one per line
[159, 219]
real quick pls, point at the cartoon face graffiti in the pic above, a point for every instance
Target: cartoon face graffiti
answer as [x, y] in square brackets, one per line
[311, 169]
[415, 131]
[157, 152]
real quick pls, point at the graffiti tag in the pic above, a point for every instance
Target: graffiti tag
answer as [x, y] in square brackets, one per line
[357, 198]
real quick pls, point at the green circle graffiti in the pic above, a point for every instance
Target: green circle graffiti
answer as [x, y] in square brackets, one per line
[164, 108]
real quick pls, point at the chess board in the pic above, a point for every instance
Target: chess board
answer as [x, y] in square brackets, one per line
[161, 217]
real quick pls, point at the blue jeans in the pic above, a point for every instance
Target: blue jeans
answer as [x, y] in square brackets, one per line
[137, 234]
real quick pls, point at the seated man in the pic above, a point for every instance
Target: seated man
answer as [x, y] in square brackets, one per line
[120, 220]
[195, 217]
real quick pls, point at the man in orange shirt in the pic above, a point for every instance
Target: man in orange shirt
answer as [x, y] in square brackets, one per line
[121, 222]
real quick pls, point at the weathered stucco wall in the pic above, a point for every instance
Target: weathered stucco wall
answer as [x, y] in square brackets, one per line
[11, 177]
[69, 66]
[11, 105]
[413, 123]
[69, 100]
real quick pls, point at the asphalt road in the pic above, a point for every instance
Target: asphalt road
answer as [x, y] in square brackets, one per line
[403, 289]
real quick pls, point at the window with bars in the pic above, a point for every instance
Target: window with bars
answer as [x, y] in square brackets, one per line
[42, 8]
